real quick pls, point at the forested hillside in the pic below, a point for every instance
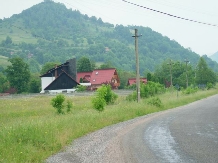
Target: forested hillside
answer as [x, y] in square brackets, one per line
[50, 32]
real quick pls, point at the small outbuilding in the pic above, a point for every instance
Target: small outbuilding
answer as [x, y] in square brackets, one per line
[132, 81]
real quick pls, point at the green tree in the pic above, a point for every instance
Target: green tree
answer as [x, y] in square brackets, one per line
[106, 65]
[18, 74]
[4, 84]
[84, 65]
[178, 70]
[48, 66]
[35, 83]
[34, 66]
[8, 40]
[124, 76]
[204, 74]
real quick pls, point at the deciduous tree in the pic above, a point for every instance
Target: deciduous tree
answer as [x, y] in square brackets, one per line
[84, 65]
[18, 74]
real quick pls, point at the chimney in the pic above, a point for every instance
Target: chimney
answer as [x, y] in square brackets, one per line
[56, 71]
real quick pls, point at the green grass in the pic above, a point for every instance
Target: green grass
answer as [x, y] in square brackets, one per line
[17, 32]
[31, 131]
[4, 61]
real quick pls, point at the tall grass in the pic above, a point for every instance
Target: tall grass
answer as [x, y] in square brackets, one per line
[31, 131]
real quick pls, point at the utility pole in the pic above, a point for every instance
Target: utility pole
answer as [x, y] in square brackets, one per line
[137, 65]
[186, 62]
[171, 76]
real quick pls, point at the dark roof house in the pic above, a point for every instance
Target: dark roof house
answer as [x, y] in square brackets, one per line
[60, 78]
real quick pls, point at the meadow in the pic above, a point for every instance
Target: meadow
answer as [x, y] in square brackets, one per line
[31, 130]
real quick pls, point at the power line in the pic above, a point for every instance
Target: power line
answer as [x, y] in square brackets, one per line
[181, 7]
[171, 15]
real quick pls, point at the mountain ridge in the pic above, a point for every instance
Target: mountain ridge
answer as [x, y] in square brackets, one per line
[214, 56]
[51, 32]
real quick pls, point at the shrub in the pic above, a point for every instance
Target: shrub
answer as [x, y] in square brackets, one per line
[189, 90]
[69, 105]
[147, 90]
[209, 85]
[58, 103]
[98, 103]
[155, 101]
[151, 88]
[104, 97]
[80, 88]
[132, 97]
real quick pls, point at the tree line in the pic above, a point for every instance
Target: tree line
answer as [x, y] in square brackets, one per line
[18, 75]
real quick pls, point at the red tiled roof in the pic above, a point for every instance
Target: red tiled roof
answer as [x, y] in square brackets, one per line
[86, 75]
[133, 80]
[102, 76]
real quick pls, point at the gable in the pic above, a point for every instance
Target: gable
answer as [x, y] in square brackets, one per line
[63, 81]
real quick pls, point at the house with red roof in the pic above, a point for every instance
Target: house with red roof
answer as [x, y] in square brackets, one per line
[98, 77]
[132, 81]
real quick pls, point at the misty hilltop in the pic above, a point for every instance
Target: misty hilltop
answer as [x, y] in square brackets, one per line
[50, 32]
[214, 57]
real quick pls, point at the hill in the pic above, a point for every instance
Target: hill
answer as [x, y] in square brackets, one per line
[214, 57]
[49, 31]
[3, 62]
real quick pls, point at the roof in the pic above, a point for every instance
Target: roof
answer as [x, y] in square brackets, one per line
[86, 75]
[97, 76]
[133, 80]
[59, 84]
[100, 76]
[53, 69]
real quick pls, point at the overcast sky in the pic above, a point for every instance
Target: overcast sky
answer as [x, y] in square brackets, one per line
[202, 39]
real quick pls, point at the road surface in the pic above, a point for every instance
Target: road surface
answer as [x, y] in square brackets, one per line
[186, 134]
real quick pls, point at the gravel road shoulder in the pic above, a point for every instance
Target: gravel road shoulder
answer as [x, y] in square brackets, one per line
[101, 146]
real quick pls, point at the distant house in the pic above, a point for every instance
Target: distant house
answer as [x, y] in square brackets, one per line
[98, 77]
[61, 78]
[132, 81]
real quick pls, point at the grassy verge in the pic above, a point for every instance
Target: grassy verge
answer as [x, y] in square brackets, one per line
[31, 131]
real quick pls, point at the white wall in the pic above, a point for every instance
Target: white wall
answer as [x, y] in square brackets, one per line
[45, 81]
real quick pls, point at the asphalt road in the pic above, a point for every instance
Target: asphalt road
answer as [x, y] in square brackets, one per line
[187, 134]
[182, 135]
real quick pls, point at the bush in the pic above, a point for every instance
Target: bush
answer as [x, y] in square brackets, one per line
[210, 85]
[132, 97]
[58, 103]
[155, 101]
[147, 90]
[69, 105]
[189, 90]
[98, 103]
[80, 88]
[151, 88]
[104, 97]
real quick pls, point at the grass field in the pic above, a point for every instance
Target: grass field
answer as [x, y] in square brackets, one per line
[31, 131]
[4, 61]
